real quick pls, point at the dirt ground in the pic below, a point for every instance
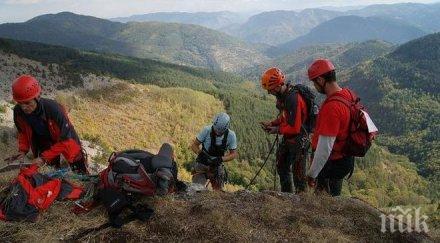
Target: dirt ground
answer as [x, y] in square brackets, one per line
[220, 216]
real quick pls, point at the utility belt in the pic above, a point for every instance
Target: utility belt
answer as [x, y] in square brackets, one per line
[301, 140]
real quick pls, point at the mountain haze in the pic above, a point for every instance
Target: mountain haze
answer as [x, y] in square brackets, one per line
[423, 16]
[348, 29]
[213, 20]
[276, 27]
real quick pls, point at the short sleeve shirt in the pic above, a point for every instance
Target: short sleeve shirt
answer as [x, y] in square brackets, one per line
[333, 121]
[204, 137]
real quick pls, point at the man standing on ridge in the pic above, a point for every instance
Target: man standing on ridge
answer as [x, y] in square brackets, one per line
[44, 128]
[332, 160]
[295, 104]
[218, 145]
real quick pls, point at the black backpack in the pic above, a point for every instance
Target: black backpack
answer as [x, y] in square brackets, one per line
[309, 98]
[132, 173]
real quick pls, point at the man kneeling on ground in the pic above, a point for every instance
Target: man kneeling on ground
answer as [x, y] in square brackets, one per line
[44, 128]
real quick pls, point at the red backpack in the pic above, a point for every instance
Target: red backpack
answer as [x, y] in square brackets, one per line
[32, 192]
[359, 139]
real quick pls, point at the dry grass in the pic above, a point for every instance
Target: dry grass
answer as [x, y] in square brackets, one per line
[214, 216]
[127, 116]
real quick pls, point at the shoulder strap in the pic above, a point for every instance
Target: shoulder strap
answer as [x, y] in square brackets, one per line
[291, 104]
[213, 139]
[225, 139]
[340, 98]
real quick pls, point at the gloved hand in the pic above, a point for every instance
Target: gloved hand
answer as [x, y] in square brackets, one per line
[273, 130]
[39, 161]
[311, 181]
[264, 125]
[216, 161]
[202, 156]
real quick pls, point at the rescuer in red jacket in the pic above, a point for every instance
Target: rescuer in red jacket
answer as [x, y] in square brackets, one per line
[291, 154]
[44, 128]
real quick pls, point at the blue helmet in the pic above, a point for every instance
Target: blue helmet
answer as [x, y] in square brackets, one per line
[221, 123]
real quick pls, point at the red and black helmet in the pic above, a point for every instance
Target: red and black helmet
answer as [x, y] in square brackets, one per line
[25, 88]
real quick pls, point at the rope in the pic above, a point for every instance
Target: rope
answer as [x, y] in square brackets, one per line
[264, 163]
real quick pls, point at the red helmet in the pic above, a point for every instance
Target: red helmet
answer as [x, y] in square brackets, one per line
[320, 67]
[272, 78]
[25, 88]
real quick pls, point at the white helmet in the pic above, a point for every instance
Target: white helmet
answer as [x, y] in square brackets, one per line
[221, 123]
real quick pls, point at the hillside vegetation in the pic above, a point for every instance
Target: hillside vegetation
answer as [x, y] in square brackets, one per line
[145, 117]
[239, 97]
[177, 114]
[386, 180]
[401, 92]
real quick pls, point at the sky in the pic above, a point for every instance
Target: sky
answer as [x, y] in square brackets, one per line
[22, 10]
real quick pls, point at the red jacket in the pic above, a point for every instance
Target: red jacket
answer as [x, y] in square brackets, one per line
[293, 113]
[65, 141]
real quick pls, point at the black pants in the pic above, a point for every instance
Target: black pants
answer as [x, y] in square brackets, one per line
[291, 162]
[332, 175]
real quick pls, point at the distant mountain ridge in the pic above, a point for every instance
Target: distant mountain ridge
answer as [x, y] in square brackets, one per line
[177, 43]
[276, 27]
[213, 20]
[424, 16]
[346, 29]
